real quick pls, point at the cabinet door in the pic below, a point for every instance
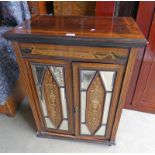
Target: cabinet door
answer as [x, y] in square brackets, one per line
[96, 93]
[52, 90]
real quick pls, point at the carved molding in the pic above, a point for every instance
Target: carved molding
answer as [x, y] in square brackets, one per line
[95, 104]
[52, 98]
[110, 55]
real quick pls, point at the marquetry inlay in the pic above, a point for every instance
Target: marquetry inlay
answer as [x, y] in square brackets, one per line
[52, 98]
[82, 69]
[95, 104]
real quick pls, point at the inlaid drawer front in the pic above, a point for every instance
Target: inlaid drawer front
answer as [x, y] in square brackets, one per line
[53, 98]
[107, 55]
[97, 86]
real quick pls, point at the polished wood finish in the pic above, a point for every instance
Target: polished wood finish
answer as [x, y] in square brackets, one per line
[74, 8]
[136, 99]
[11, 104]
[107, 55]
[45, 7]
[126, 8]
[144, 16]
[46, 41]
[105, 8]
[40, 8]
[125, 87]
[81, 31]
[144, 95]
[114, 100]
[27, 86]
[144, 20]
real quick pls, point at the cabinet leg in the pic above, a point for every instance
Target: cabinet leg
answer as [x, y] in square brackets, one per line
[112, 143]
[39, 134]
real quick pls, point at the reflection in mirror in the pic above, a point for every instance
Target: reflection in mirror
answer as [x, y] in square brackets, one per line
[42, 101]
[83, 106]
[49, 123]
[106, 108]
[58, 74]
[63, 101]
[64, 125]
[101, 131]
[39, 71]
[108, 79]
[85, 130]
[86, 77]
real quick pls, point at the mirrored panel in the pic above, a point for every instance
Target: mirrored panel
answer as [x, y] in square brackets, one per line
[63, 101]
[49, 124]
[64, 125]
[58, 74]
[85, 130]
[106, 107]
[101, 131]
[86, 77]
[108, 79]
[42, 101]
[39, 72]
[83, 106]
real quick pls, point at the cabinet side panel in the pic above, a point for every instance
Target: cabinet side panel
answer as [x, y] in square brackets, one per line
[26, 82]
[123, 94]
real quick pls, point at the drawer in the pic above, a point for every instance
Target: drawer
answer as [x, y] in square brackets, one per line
[75, 53]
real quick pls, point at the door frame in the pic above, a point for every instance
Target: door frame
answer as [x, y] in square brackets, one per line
[115, 95]
[68, 87]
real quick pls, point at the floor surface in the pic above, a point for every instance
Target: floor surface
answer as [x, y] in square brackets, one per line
[136, 133]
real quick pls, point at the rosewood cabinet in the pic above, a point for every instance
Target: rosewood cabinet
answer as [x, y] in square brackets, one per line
[76, 72]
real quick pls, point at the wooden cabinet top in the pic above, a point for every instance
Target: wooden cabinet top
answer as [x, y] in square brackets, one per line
[78, 30]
